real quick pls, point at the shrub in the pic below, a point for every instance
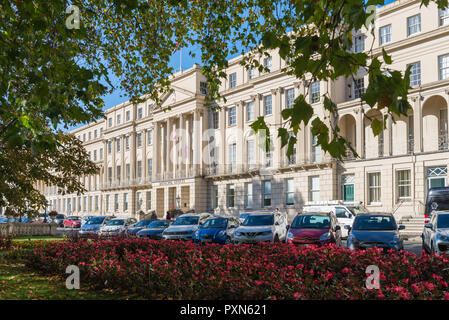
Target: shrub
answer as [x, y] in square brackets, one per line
[183, 270]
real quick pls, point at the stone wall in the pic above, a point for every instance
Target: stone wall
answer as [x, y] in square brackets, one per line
[27, 229]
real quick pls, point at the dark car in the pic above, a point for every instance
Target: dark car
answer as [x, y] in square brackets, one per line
[437, 200]
[217, 230]
[131, 232]
[375, 230]
[59, 220]
[94, 224]
[317, 228]
[154, 229]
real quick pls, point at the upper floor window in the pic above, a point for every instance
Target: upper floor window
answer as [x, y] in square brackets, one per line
[251, 73]
[444, 16]
[139, 140]
[250, 111]
[109, 147]
[214, 120]
[84, 137]
[90, 135]
[359, 88]
[385, 34]
[119, 118]
[101, 132]
[110, 122]
[443, 65]
[127, 142]
[415, 75]
[413, 24]
[150, 137]
[95, 134]
[232, 80]
[139, 113]
[315, 92]
[267, 104]
[359, 43]
[267, 63]
[203, 87]
[128, 115]
[232, 116]
[118, 145]
[289, 98]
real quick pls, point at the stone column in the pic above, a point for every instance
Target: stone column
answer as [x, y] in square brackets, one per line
[387, 135]
[114, 169]
[144, 156]
[133, 152]
[168, 138]
[241, 141]
[156, 154]
[257, 160]
[222, 147]
[277, 154]
[360, 132]
[202, 143]
[180, 155]
[417, 124]
[105, 162]
[196, 144]
[188, 147]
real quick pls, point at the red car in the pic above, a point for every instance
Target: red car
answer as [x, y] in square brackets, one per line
[317, 228]
[72, 222]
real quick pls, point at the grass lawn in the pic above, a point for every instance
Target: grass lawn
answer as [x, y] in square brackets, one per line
[17, 282]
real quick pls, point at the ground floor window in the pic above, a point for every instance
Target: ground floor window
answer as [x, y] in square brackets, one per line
[214, 197]
[436, 177]
[230, 195]
[404, 183]
[289, 192]
[148, 200]
[266, 194]
[138, 200]
[374, 187]
[116, 202]
[125, 202]
[249, 195]
[347, 187]
[314, 183]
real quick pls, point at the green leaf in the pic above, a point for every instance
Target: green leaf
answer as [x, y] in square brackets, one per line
[377, 126]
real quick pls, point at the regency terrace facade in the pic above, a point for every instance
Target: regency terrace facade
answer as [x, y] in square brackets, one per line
[189, 157]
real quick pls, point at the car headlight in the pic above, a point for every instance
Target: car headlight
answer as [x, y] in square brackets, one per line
[325, 236]
[443, 238]
[197, 233]
[290, 235]
[221, 233]
[238, 234]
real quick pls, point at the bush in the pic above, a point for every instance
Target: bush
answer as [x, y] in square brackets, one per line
[183, 270]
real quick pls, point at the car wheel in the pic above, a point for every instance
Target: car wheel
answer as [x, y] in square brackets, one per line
[432, 249]
[228, 240]
[424, 247]
[276, 238]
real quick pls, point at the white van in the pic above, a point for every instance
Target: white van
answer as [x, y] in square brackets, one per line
[344, 211]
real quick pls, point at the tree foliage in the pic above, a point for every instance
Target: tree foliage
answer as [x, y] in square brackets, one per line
[55, 76]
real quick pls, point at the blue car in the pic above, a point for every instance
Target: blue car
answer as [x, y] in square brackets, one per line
[217, 230]
[154, 230]
[131, 232]
[92, 226]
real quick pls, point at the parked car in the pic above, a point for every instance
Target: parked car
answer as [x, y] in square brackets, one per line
[344, 211]
[437, 200]
[375, 230]
[435, 236]
[318, 228]
[93, 226]
[116, 227]
[217, 230]
[59, 220]
[185, 226]
[44, 218]
[85, 219]
[72, 222]
[243, 216]
[132, 230]
[262, 227]
[154, 230]
[3, 219]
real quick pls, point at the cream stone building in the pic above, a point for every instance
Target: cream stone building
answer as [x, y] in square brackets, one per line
[189, 157]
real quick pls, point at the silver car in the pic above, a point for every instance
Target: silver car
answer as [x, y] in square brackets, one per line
[116, 227]
[435, 236]
[185, 226]
[262, 227]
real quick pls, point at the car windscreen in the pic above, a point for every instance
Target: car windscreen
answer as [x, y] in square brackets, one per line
[244, 215]
[443, 221]
[115, 223]
[142, 223]
[309, 221]
[374, 223]
[158, 224]
[96, 220]
[182, 221]
[75, 218]
[263, 220]
[357, 210]
[218, 223]
[437, 200]
[60, 216]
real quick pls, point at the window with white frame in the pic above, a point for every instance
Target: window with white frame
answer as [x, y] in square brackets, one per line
[150, 137]
[251, 73]
[214, 198]
[125, 201]
[230, 195]
[101, 153]
[118, 145]
[232, 116]
[250, 111]
[314, 193]
[292, 160]
[289, 192]
[316, 150]
[139, 169]
[95, 134]
[267, 105]
[415, 74]
[203, 88]
[250, 153]
[266, 193]
[315, 92]
[289, 98]
[148, 200]
[110, 122]
[116, 202]
[413, 24]
[109, 147]
[97, 203]
[359, 43]
[249, 195]
[269, 155]
[119, 118]
[374, 187]
[232, 80]
[139, 113]
[128, 115]
[150, 168]
[443, 65]
[119, 173]
[95, 155]
[267, 63]
[139, 201]
[443, 16]
[139, 140]
[233, 157]
[127, 142]
[214, 120]
[128, 172]
[385, 34]
[404, 184]
[359, 87]
[107, 202]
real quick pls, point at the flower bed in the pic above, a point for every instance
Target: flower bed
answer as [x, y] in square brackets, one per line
[181, 270]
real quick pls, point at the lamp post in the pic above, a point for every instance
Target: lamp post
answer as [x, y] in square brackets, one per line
[178, 202]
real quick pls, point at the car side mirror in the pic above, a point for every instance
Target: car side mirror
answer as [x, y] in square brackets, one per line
[337, 228]
[288, 227]
[347, 227]
[401, 227]
[429, 225]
